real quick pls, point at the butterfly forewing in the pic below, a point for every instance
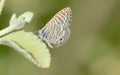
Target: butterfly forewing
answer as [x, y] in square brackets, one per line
[56, 32]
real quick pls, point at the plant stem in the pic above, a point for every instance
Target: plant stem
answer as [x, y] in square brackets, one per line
[7, 42]
[6, 31]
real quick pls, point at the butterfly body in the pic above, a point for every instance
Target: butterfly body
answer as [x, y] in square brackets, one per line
[56, 32]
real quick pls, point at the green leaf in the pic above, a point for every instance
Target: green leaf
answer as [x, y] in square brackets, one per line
[33, 46]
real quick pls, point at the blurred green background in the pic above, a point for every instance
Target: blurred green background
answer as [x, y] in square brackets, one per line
[93, 47]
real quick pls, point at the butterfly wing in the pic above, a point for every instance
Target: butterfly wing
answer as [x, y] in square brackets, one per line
[56, 32]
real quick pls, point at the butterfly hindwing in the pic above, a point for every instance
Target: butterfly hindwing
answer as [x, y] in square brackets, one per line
[56, 32]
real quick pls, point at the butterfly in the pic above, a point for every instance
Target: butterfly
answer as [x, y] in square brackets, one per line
[57, 31]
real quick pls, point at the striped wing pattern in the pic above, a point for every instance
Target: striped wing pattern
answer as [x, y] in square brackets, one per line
[56, 32]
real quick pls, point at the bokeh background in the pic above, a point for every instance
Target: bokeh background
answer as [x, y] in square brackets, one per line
[94, 45]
